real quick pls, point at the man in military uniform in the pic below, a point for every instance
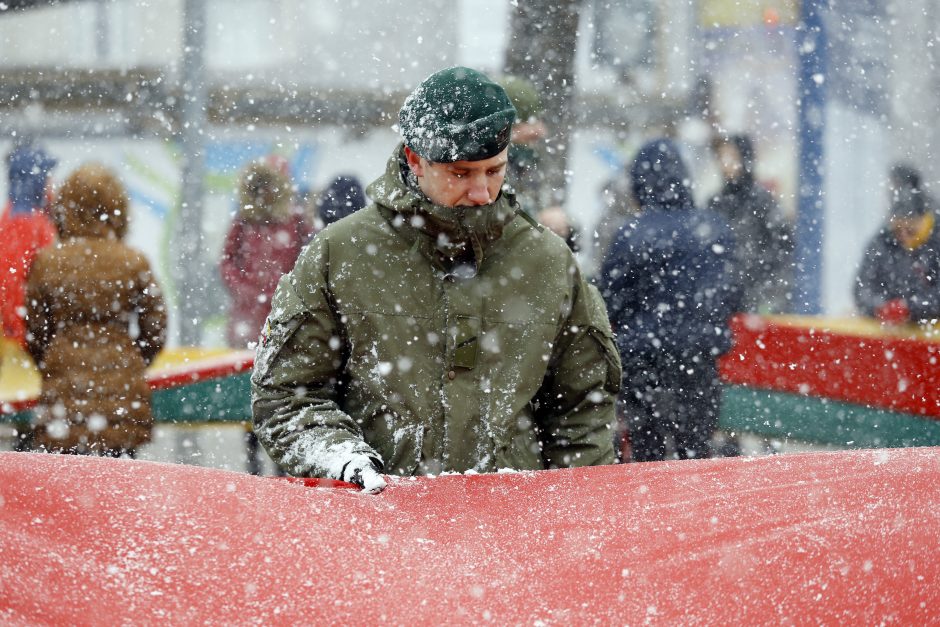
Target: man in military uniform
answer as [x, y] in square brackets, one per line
[528, 136]
[438, 329]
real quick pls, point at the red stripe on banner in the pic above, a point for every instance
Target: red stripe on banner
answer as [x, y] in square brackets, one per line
[888, 371]
[13, 407]
[215, 368]
[318, 482]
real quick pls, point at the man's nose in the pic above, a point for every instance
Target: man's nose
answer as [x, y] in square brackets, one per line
[478, 192]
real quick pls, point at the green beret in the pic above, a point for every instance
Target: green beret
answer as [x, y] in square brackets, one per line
[457, 114]
[524, 97]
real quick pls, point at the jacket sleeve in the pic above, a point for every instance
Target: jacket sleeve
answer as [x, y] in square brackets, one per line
[230, 265]
[298, 373]
[151, 315]
[718, 297]
[869, 289]
[577, 400]
[38, 321]
[780, 235]
[925, 292]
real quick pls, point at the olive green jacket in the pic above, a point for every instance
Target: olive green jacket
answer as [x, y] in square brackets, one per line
[377, 345]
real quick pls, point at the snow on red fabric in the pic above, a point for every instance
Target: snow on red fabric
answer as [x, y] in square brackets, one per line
[833, 538]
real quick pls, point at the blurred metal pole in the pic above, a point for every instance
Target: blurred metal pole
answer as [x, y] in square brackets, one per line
[102, 31]
[191, 268]
[543, 37]
[811, 48]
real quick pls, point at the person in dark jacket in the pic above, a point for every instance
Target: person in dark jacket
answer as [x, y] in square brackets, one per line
[764, 236]
[342, 197]
[525, 173]
[898, 278]
[670, 286]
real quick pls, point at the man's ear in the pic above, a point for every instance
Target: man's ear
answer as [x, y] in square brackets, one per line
[414, 161]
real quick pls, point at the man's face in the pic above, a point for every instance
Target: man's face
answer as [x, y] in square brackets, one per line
[461, 183]
[910, 230]
[730, 161]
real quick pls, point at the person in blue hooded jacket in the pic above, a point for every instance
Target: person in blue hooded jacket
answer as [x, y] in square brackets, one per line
[670, 285]
[342, 197]
[26, 228]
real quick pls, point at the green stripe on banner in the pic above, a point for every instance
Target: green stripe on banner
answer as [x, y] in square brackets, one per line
[18, 417]
[821, 420]
[226, 399]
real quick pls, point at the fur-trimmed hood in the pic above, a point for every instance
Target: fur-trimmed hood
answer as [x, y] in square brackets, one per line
[92, 203]
[264, 194]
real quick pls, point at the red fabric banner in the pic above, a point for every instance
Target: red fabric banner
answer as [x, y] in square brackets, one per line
[825, 538]
[886, 370]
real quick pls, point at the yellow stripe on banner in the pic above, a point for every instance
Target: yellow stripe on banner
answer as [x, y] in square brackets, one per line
[860, 326]
[184, 355]
[19, 379]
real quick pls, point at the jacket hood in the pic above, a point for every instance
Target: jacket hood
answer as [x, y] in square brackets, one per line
[92, 203]
[456, 233]
[342, 197]
[265, 194]
[659, 177]
[29, 168]
[908, 198]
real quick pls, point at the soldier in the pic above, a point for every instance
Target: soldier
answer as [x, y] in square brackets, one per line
[438, 329]
[528, 136]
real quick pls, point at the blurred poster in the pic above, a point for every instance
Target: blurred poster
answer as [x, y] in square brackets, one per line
[744, 13]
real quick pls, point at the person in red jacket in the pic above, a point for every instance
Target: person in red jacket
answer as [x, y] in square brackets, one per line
[26, 228]
[262, 244]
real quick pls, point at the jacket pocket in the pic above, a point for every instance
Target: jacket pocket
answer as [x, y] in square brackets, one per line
[600, 331]
[287, 314]
[611, 356]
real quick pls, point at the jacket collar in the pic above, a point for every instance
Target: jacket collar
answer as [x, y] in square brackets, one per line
[450, 236]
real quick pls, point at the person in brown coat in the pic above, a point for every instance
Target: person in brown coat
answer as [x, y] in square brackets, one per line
[95, 321]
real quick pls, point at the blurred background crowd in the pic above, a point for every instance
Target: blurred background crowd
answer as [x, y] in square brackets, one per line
[236, 135]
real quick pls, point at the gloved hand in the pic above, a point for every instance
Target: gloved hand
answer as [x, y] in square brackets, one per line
[361, 470]
[894, 311]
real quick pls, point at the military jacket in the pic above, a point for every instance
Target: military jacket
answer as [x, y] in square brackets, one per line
[376, 346]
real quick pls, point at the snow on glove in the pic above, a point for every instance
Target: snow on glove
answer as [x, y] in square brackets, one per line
[361, 471]
[894, 311]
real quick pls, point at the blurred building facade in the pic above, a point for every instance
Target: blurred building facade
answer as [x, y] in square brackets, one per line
[320, 82]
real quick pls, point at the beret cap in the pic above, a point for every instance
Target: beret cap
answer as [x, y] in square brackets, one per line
[457, 114]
